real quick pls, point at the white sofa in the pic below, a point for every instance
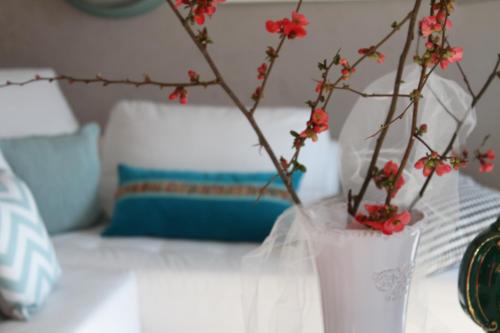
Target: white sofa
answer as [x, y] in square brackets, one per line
[86, 301]
[150, 285]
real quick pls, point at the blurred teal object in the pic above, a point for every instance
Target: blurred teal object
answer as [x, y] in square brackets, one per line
[63, 173]
[222, 206]
[116, 8]
[479, 279]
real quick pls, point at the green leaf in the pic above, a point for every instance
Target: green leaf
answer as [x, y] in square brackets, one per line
[299, 166]
[336, 59]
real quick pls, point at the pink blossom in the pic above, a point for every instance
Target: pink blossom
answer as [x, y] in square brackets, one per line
[433, 23]
[384, 218]
[294, 28]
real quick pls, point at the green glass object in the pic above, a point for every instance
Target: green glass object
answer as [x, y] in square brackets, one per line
[479, 279]
[116, 8]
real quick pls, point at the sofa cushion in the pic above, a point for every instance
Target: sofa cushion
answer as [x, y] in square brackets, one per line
[215, 139]
[63, 172]
[35, 109]
[86, 301]
[198, 205]
[28, 266]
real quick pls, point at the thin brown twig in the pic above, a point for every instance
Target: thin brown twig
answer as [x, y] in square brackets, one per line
[485, 86]
[266, 76]
[398, 117]
[423, 142]
[263, 189]
[466, 79]
[368, 95]
[147, 81]
[445, 108]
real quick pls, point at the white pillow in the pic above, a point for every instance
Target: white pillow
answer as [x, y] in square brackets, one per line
[207, 138]
[36, 109]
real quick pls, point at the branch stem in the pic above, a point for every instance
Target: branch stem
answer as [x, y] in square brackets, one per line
[454, 137]
[99, 79]
[368, 95]
[354, 206]
[248, 115]
[271, 65]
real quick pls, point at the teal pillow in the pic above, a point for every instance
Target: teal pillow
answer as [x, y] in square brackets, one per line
[197, 205]
[63, 173]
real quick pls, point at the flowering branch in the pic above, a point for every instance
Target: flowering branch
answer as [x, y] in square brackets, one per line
[454, 137]
[318, 121]
[354, 203]
[147, 81]
[395, 28]
[443, 22]
[273, 54]
[202, 47]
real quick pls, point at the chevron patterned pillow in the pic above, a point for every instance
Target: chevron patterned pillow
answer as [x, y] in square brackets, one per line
[28, 264]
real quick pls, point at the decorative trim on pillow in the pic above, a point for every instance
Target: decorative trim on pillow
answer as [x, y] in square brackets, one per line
[210, 191]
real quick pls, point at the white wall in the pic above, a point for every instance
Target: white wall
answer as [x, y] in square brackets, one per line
[52, 33]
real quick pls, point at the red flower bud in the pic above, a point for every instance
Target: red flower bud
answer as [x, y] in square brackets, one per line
[422, 129]
[490, 154]
[486, 167]
[179, 93]
[384, 218]
[294, 28]
[442, 168]
[173, 95]
[262, 70]
[193, 76]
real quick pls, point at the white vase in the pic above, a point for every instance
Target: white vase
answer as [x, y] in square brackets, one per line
[364, 279]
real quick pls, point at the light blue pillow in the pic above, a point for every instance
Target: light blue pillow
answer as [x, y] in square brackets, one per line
[63, 173]
[196, 205]
[28, 265]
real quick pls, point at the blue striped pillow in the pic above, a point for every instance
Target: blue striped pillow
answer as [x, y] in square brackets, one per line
[28, 265]
[197, 205]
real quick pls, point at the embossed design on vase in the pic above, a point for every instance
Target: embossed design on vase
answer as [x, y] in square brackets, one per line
[395, 283]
